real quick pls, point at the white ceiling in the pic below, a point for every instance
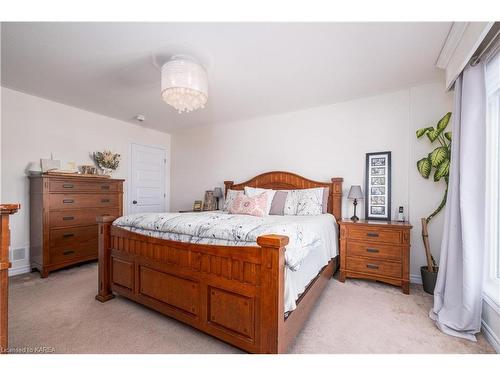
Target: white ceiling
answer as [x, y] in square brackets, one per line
[254, 69]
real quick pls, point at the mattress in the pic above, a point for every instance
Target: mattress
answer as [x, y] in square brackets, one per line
[313, 240]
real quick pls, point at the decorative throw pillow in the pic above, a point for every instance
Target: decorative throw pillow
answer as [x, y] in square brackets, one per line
[326, 193]
[253, 192]
[255, 206]
[231, 194]
[278, 203]
[304, 202]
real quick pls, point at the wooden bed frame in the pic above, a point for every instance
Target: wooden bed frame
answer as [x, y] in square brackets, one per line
[235, 293]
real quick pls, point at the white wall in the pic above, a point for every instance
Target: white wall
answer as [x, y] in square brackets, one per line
[320, 143]
[33, 128]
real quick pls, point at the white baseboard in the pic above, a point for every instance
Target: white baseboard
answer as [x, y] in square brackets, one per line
[19, 270]
[416, 279]
[490, 336]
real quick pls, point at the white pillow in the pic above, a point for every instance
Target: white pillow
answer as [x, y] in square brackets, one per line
[304, 202]
[253, 192]
[231, 194]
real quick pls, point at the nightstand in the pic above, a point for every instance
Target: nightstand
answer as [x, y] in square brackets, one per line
[375, 250]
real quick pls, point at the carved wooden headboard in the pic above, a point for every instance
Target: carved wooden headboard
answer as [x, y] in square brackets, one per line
[290, 181]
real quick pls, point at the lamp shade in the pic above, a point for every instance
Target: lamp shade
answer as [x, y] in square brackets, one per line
[355, 192]
[218, 192]
[184, 84]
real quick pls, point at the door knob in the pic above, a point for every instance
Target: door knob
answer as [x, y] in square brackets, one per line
[134, 202]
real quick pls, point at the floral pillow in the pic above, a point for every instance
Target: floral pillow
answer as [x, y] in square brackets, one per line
[253, 192]
[304, 202]
[231, 194]
[255, 206]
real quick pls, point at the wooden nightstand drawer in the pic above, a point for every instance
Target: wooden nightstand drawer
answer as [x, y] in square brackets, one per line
[373, 266]
[373, 250]
[374, 234]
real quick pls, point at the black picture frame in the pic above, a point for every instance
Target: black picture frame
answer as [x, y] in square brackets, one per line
[378, 186]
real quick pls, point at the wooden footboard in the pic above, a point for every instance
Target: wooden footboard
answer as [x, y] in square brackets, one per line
[233, 293]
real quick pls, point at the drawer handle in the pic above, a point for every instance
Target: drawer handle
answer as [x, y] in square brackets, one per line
[370, 250]
[68, 218]
[68, 186]
[105, 187]
[372, 234]
[68, 252]
[104, 200]
[68, 201]
[67, 235]
[372, 266]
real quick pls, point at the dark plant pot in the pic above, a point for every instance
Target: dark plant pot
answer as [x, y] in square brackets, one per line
[429, 279]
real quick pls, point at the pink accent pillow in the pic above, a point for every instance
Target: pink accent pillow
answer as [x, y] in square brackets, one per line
[255, 206]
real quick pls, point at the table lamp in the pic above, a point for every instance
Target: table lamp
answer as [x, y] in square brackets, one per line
[355, 193]
[218, 194]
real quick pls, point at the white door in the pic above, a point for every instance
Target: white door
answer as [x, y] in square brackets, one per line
[147, 179]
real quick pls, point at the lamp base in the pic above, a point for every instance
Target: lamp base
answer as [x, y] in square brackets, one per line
[354, 218]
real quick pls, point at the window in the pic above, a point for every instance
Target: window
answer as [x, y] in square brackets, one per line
[492, 270]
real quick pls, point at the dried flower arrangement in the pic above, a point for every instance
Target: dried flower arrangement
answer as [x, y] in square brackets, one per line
[107, 161]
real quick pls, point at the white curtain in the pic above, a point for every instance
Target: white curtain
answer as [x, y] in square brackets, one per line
[458, 292]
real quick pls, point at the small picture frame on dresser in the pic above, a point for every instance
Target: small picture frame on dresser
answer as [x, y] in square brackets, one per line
[198, 205]
[378, 186]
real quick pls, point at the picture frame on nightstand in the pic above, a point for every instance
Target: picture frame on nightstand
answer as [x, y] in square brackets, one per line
[378, 186]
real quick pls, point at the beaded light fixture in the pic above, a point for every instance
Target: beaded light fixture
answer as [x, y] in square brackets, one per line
[184, 84]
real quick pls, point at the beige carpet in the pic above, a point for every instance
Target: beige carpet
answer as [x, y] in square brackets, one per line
[355, 317]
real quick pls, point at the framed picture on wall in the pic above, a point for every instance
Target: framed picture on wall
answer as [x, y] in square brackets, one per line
[378, 186]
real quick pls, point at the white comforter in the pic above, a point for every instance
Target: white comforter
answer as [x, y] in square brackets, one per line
[307, 234]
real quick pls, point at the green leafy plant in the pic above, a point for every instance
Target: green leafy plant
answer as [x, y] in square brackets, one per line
[438, 161]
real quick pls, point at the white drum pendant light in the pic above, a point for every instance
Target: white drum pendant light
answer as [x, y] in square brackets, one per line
[184, 84]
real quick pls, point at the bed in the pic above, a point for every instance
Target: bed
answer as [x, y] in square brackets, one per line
[235, 291]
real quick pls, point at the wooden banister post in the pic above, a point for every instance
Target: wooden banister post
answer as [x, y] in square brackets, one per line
[5, 211]
[104, 286]
[272, 293]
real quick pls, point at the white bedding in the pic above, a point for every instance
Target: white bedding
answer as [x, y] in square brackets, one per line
[312, 239]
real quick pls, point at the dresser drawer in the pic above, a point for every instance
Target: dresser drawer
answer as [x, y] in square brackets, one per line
[374, 267]
[69, 218]
[91, 186]
[368, 249]
[61, 201]
[374, 234]
[76, 235]
[73, 251]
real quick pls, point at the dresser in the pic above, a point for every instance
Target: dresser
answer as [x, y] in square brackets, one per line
[375, 250]
[63, 211]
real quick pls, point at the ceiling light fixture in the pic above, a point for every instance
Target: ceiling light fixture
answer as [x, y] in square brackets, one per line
[184, 84]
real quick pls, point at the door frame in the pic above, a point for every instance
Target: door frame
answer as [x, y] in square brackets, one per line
[129, 180]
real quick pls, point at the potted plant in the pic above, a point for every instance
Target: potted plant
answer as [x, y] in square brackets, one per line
[439, 161]
[107, 161]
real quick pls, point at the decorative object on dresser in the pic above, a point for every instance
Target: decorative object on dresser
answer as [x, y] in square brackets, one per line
[375, 250]
[439, 159]
[107, 161]
[5, 211]
[209, 201]
[235, 293]
[63, 210]
[217, 194]
[378, 186]
[88, 169]
[197, 206]
[355, 193]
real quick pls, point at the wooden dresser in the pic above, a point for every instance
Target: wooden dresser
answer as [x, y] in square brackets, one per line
[63, 211]
[376, 250]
